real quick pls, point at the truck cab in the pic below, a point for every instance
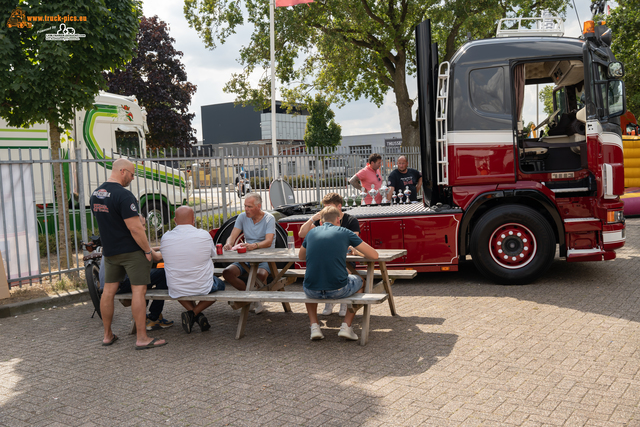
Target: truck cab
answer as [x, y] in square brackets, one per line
[525, 190]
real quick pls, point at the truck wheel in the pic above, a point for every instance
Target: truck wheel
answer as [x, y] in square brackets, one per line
[225, 230]
[156, 214]
[92, 275]
[512, 245]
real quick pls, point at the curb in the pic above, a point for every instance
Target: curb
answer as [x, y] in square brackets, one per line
[29, 306]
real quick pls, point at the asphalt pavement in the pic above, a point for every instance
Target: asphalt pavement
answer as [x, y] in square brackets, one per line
[564, 351]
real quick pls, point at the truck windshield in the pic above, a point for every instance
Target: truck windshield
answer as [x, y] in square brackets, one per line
[127, 143]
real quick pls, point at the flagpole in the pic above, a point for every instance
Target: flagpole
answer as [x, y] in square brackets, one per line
[274, 145]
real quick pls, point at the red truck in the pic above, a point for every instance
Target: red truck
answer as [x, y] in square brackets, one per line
[494, 193]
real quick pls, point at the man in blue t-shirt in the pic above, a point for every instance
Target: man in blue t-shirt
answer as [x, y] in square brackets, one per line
[325, 250]
[259, 228]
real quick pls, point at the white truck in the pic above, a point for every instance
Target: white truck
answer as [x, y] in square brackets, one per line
[115, 128]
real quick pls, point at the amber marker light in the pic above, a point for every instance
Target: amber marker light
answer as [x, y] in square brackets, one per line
[615, 216]
[445, 268]
[589, 27]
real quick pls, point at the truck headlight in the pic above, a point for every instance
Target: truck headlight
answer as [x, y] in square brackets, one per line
[614, 216]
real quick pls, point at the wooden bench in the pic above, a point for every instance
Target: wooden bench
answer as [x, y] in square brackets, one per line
[234, 296]
[292, 274]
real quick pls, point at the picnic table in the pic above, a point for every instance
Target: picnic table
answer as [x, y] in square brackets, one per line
[273, 256]
[274, 290]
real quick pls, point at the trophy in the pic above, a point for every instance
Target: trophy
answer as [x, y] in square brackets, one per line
[355, 196]
[363, 194]
[393, 197]
[373, 193]
[407, 193]
[400, 196]
[384, 190]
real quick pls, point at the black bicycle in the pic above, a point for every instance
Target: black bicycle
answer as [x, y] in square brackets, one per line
[92, 271]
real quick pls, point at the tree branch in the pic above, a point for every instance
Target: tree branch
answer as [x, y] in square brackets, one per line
[372, 15]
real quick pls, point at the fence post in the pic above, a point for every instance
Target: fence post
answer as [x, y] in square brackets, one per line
[223, 173]
[81, 195]
[318, 199]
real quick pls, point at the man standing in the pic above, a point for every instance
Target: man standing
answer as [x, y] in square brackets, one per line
[325, 250]
[404, 176]
[259, 229]
[346, 221]
[187, 253]
[367, 176]
[125, 249]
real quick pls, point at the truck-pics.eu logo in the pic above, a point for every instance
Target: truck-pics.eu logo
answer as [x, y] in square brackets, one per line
[19, 19]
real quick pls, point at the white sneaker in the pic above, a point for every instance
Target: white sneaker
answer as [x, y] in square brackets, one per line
[343, 310]
[316, 333]
[328, 309]
[258, 307]
[347, 332]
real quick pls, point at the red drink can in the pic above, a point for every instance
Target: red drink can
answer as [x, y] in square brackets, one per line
[219, 248]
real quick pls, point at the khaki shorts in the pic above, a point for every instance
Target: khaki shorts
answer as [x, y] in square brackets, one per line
[133, 264]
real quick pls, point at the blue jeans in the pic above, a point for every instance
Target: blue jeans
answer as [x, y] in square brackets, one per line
[218, 285]
[354, 283]
[244, 267]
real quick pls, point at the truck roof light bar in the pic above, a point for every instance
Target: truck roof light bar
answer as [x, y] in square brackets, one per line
[549, 24]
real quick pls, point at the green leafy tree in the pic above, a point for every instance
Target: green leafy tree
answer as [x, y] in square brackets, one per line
[624, 21]
[546, 97]
[348, 49]
[48, 80]
[321, 130]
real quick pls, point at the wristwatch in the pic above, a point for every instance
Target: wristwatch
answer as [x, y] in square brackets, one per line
[148, 253]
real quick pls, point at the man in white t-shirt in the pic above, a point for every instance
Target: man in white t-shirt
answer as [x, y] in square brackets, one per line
[187, 253]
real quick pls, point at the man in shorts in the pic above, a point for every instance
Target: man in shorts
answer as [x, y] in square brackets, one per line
[126, 250]
[324, 250]
[187, 252]
[346, 221]
[259, 228]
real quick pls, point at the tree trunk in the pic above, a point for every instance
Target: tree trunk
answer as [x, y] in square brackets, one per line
[408, 127]
[62, 208]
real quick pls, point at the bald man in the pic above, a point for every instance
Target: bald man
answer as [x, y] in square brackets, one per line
[404, 177]
[187, 253]
[126, 250]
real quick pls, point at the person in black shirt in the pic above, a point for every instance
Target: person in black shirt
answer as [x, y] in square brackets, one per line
[346, 221]
[125, 249]
[404, 176]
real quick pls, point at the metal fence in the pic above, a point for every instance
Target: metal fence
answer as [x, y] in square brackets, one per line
[31, 241]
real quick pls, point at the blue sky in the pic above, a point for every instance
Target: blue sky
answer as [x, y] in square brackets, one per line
[211, 69]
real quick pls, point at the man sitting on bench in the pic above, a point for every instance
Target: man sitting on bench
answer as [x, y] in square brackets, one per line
[187, 253]
[259, 228]
[325, 250]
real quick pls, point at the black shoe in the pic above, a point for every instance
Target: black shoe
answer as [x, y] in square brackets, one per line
[203, 322]
[187, 321]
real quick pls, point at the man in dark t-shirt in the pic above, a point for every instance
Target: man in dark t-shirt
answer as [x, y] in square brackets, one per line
[405, 176]
[346, 221]
[125, 248]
